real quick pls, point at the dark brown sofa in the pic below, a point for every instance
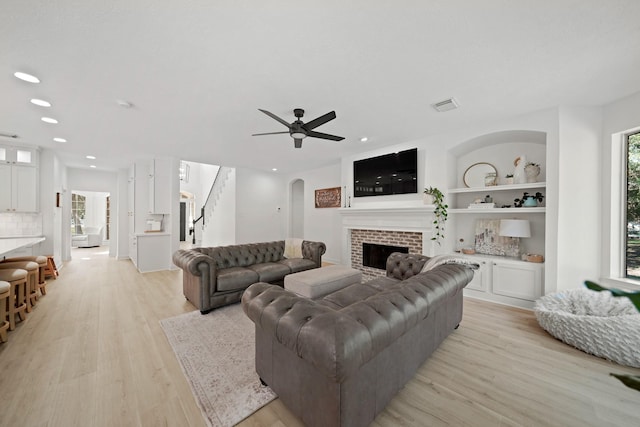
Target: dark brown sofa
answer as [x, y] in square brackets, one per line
[217, 276]
[339, 360]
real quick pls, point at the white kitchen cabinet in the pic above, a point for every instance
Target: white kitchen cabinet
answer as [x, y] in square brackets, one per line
[19, 191]
[160, 186]
[153, 252]
[133, 249]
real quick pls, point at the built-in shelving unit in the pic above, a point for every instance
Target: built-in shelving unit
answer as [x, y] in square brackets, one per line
[458, 203]
[501, 279]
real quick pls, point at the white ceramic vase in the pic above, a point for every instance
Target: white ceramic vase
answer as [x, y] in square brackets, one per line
[428, 199]
[532, 172]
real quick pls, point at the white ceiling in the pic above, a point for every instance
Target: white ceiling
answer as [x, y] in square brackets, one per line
[196, 72]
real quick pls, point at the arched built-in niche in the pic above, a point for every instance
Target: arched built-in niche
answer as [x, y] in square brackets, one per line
[500, 149]
[467, 219]
[296, 222]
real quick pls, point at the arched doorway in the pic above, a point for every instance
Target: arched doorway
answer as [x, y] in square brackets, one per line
[297, 209]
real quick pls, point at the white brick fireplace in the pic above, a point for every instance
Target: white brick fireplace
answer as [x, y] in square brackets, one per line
[404, 220]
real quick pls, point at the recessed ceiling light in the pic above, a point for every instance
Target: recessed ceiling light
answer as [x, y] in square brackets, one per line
[275, 169]
[91, 157]
[59, 140]
[364, 139]
[49, 120]
[41, 102]
[26, 77]
[92, 166]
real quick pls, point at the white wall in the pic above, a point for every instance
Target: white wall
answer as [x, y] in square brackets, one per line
[320, 224]
[261, 202]
[579, 177]
[619, 117]
[53, 179]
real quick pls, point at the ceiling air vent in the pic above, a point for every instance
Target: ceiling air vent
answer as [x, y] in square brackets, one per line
[8, 135]
[446, 105]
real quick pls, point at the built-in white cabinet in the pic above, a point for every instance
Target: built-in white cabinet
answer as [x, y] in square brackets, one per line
[506, 280]
[150, 196]
[19, 175]
[133, 249]
[153, 252]
[159, 186]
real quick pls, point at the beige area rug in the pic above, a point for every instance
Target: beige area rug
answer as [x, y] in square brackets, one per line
[217, 355]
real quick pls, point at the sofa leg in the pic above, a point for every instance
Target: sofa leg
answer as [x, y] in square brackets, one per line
[457, 326]
[205, 311]
[262, 382]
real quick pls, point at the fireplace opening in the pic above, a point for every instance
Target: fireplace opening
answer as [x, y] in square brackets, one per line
[375, 256]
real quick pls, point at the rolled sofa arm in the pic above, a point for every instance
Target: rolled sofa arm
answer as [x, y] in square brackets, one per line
[313, 251]
[200, 265]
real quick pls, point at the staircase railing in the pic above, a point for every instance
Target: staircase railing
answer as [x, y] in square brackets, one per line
[214, 194]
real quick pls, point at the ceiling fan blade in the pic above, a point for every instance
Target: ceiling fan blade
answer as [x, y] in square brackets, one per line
[321, 135]
[320, 120]
[273, 116]
[297, 142]
[269, 133]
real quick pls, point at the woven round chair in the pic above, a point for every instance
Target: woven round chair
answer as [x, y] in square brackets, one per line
[594, 322]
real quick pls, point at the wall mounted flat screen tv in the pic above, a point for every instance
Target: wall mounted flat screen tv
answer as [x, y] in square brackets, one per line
[395, 173]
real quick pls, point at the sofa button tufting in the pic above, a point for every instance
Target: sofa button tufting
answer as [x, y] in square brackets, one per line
[307, 318]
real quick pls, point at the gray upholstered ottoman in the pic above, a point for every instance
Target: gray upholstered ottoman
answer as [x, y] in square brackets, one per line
[319, 282]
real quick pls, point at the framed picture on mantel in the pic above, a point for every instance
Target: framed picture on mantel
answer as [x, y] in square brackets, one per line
[328, 198]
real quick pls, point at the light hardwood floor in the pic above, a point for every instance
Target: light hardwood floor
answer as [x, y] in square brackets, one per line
[92, 353]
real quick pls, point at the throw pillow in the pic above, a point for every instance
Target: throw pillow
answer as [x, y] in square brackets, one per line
[449, 259]
[293, 248]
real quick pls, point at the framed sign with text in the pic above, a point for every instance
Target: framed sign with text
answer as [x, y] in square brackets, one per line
[328, 198]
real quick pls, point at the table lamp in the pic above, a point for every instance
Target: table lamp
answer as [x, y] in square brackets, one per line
[515, 229]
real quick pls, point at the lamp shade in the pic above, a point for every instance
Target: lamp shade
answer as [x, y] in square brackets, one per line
[515, 228]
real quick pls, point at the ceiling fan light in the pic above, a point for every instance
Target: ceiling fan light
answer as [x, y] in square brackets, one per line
[298, 135]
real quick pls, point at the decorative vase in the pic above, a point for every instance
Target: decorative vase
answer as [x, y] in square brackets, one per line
[530, 202]
[508, 181]
[490, 179]
[518, 173]
[428, 199]
[532, 172]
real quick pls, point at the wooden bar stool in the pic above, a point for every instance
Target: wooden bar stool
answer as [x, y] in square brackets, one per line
[17, 279]
[32, 279]
[42, 267]
[51, 269]
[5, 294]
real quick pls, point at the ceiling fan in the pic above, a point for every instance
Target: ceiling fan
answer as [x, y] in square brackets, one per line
[300, 130]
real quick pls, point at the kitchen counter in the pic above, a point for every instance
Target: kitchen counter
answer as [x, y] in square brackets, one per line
[10, 244]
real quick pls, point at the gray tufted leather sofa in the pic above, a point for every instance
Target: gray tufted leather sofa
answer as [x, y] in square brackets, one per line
[217, 276]
[339, 360]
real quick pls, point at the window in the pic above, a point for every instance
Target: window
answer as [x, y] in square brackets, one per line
[78, 210]
[632, 238]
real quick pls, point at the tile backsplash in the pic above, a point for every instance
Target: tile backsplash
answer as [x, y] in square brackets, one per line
[20, 224]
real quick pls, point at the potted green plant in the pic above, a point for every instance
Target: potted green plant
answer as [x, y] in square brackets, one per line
[439, 212]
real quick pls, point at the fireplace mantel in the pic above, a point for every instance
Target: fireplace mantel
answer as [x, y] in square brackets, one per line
[413, 219]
